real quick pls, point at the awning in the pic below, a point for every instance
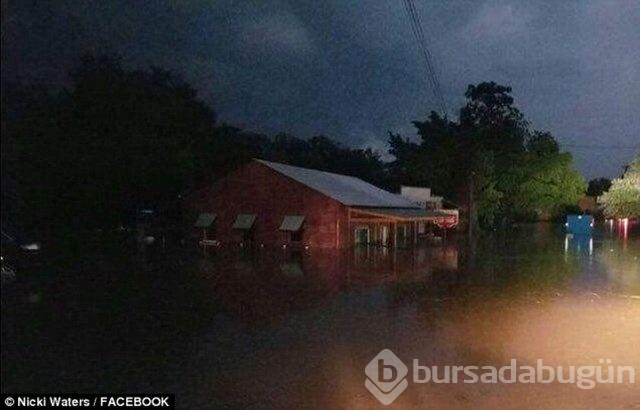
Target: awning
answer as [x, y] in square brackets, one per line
[244, 221]
[292, 223]
[409, 215]
[204, 220]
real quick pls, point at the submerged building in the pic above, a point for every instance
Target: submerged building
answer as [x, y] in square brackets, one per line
[271, 204]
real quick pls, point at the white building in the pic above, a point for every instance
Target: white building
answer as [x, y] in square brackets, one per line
[422, 197]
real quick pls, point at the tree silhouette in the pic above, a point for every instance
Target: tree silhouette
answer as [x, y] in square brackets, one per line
[90, 155]
[598, 186]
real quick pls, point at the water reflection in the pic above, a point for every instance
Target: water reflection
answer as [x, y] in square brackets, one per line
[578, 243]
[540, 294]
[292, 329]
[608, 255]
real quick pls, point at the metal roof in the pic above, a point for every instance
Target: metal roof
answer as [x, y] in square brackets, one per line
[347, 190]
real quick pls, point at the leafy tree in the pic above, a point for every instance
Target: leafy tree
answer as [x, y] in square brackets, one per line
[487, 195]
[623, 198]
[406, 166]
[442, 153]
[494, 122]
[492, 127]
[434, 161]
[488, 161]
[541, 144]
[550, 186]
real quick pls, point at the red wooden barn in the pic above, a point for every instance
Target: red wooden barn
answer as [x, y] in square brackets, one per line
[271, 204]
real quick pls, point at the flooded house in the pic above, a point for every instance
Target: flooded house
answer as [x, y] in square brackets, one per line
[272, 204]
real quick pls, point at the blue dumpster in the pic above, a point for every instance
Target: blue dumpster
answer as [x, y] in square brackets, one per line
[579, 224]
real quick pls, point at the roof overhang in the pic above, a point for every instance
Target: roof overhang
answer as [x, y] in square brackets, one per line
[408, 215]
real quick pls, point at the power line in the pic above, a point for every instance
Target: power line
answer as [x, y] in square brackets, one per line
[429, 58]
[418, 32]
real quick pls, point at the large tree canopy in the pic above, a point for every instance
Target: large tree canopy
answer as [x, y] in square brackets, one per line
[549, 187]
[489, 158]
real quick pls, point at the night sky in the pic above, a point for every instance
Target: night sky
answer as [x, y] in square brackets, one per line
[351, 69]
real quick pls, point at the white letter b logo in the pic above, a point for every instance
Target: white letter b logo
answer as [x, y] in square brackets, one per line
[386, 377]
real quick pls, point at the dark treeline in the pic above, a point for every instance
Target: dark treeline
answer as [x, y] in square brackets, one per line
[116, 140]
[89, 156]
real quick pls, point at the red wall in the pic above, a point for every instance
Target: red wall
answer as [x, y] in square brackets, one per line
[258, 189]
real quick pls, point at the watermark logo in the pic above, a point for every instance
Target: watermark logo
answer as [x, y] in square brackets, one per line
[386, 377]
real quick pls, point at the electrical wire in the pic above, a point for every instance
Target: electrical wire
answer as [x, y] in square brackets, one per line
[418, 32]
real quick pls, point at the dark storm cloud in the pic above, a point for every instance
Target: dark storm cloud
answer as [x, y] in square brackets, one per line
[351, 70]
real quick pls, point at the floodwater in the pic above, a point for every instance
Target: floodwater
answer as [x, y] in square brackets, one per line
[281, 329]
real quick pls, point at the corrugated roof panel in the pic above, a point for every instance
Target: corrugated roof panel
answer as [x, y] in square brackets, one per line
[204, 220]
[292, 223]
[344, 189]
[244, 221]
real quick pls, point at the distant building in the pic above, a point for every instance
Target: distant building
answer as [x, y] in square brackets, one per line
[422, 197]
[271, 204]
